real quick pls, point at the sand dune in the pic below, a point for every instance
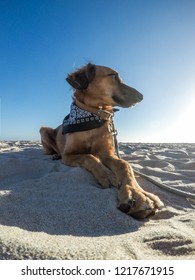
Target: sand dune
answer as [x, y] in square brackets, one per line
[52, 211]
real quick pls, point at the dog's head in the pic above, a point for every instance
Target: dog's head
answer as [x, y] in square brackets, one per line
[100, 86]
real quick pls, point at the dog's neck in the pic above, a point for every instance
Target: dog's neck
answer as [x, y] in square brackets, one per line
[81, 97]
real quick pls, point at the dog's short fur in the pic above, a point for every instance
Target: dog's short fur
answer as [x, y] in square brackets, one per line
[99, 86]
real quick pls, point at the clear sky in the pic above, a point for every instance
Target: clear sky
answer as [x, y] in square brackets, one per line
[150, 42]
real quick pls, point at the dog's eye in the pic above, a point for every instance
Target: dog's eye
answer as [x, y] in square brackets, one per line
[114, 75]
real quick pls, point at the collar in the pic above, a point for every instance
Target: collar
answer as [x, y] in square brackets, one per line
[103, 114]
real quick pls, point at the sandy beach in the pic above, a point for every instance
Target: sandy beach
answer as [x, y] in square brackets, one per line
[52, 211]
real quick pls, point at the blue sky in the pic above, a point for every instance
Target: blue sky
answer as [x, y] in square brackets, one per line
[150, 42]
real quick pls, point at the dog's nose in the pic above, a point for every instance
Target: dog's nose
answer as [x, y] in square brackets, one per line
[140, 96]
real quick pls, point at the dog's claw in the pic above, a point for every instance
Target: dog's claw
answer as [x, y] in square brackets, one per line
[126, 207]
[131, 202]
[56, 157]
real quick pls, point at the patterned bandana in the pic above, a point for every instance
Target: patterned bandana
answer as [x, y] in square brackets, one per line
[80, 120]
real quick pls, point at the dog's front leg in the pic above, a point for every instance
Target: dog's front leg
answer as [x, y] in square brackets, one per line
[132, 199]
[103, 175]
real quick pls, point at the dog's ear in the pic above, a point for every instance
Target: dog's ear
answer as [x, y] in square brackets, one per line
[81, 78]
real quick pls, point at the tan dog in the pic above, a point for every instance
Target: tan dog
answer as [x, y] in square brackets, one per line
[97, 90]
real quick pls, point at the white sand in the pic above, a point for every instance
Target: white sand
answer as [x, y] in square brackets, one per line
[51, 211]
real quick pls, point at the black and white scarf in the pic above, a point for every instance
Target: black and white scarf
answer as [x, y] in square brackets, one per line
[80, 120]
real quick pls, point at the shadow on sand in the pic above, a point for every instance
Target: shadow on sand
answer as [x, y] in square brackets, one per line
[41, 195]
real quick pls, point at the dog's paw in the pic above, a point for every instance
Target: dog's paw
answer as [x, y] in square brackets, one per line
[138, 203]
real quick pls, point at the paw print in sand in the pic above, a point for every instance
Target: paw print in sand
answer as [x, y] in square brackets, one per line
[171, 245]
